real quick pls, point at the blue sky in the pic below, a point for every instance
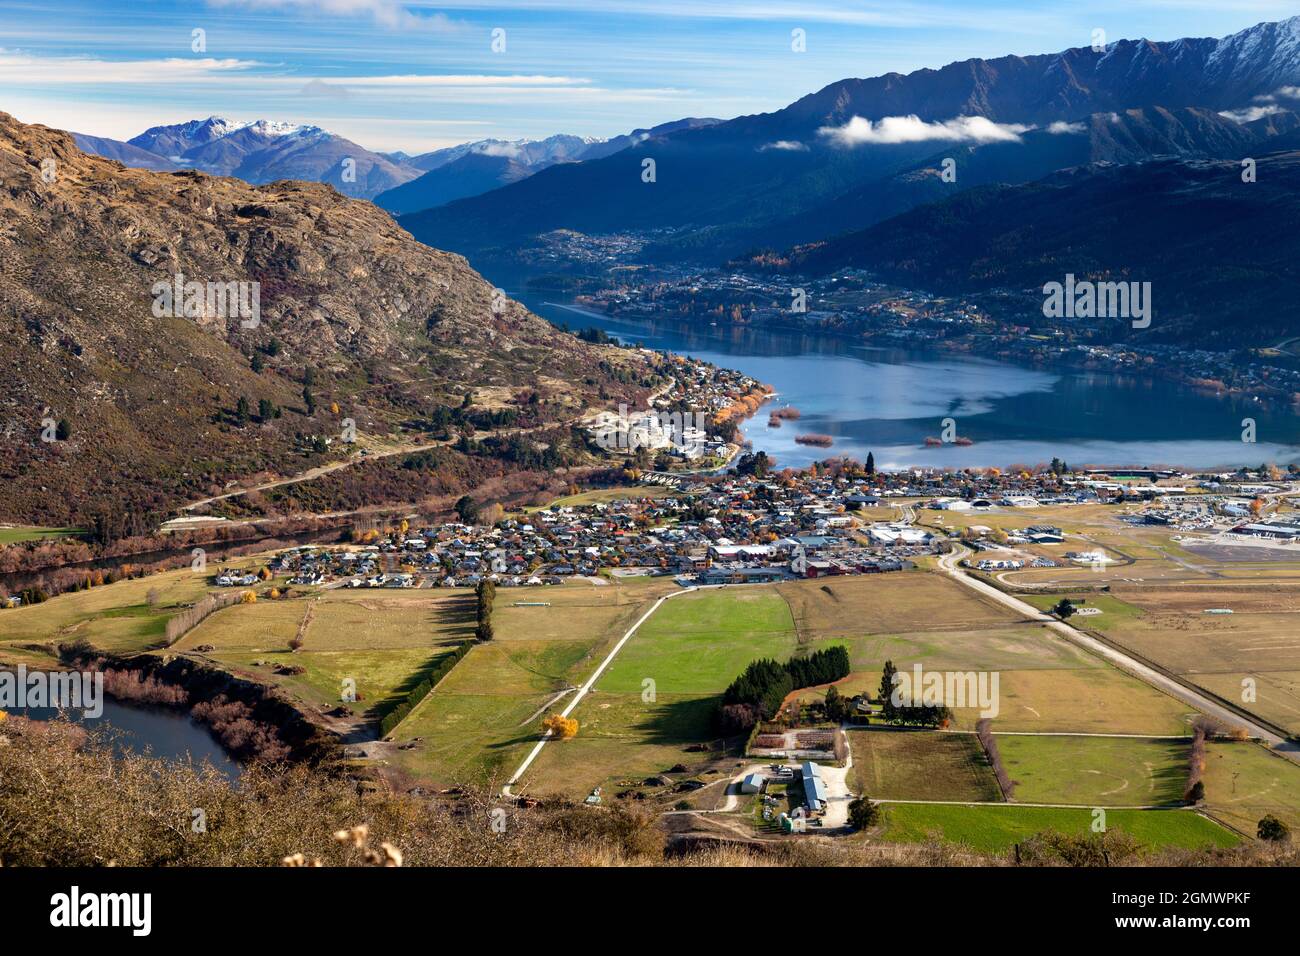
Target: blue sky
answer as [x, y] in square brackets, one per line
[419, 75]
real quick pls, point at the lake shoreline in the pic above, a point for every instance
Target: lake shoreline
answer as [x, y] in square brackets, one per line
[1013, 412]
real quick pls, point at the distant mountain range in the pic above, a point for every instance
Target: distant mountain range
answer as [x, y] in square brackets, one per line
[475, 168]
[264, 151]
[860, 150]
[260, 152]
[812, 182]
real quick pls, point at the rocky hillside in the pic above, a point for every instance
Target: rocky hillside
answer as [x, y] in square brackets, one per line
[356, 320]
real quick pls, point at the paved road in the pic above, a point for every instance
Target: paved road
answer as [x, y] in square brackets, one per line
[1203, 703]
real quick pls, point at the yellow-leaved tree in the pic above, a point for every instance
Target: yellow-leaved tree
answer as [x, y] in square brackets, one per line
[561, 726]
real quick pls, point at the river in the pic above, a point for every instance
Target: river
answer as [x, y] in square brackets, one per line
[888, 401]
[159, 732]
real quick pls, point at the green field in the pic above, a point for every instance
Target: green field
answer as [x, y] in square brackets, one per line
[698, 643]
[993, 829]
[480, 722]
[381, 643]
[690, 650]
[16, 535]
[921, 765]
[1113, 609]
[1095, 771]
[598, 496]
[114, 617]
[1244, 781]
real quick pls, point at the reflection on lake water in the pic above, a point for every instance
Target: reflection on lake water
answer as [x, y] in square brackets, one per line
[888, 401]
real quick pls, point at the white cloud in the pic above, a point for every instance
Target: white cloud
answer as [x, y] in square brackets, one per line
[24, 69]
[508, 150]
[386, 13]
[1060, 128]
[913, 129]
[472, 80]
[1283, 92]
[787, 145]
[1250, 113]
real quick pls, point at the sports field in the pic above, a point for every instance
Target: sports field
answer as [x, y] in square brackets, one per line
[1244, 781]
[597, 496]
[1096, 771]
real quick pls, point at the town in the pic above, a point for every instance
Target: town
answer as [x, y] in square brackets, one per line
[746, 529]
[1004, 323]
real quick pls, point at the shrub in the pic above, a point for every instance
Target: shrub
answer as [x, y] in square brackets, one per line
[1273, 830]
[863, 814]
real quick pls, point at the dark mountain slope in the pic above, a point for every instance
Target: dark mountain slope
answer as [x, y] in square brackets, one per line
[1222, 255]
[721, 186]
[1127, 137]
[470, 175]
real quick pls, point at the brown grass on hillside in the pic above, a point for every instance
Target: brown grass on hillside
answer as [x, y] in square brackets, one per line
[65, 804]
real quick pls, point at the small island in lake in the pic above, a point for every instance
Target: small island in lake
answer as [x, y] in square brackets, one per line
[932, 442]
[778, 415]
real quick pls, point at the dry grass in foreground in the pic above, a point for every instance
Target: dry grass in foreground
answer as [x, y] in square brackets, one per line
[66, 800]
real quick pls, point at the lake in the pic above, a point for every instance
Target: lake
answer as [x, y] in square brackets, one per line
[888, 401]
[162, 733]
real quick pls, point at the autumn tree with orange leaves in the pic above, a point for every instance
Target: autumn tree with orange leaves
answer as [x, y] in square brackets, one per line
[561, 726]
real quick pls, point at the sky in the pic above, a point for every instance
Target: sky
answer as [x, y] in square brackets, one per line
[415, 76]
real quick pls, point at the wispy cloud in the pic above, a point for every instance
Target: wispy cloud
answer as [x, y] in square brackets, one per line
[462, 80]
[1060, 128]
[391, 14]
[891, 14]
[1251, 113]
[785, 145]
[25, 69]
[913, 129]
